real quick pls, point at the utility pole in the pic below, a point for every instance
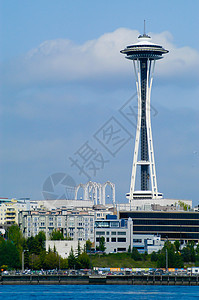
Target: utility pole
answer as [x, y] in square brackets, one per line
[22, 261]
[167, 254]
[166, 259]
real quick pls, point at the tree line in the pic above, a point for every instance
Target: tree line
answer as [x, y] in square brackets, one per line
[14, 245]
[171, 255]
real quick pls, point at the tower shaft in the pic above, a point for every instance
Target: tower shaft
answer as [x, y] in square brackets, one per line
[143, 142]
[144, 76]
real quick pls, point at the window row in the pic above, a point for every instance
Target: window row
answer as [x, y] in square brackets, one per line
[112, 233]
[113, 240]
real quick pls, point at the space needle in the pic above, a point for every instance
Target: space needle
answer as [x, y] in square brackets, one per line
[144, 53]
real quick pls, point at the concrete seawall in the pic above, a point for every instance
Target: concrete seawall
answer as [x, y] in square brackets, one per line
[99, 280]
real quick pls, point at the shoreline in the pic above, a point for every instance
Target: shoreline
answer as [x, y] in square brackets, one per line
[99, 280]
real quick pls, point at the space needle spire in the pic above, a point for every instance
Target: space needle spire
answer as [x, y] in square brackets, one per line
[144, 53]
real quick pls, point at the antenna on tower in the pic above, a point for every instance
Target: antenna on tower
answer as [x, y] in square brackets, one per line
[144, 34]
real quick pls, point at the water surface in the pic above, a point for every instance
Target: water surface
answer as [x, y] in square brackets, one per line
[97, 292]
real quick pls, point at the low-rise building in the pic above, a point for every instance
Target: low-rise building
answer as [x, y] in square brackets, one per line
[147, 243]
[63, 248]
[117, 234]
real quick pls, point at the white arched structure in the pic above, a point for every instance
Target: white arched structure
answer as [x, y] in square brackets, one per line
[112, 185]
[90, 191]
[95, 191]
[77, 189]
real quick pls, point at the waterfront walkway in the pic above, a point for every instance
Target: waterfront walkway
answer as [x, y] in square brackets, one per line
[99, 280]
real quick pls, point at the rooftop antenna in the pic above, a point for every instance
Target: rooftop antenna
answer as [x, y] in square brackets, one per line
[144, 34]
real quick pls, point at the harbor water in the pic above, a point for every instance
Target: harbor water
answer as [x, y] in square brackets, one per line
[97, 292]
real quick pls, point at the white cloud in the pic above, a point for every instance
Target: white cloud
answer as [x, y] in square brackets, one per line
[60, 61]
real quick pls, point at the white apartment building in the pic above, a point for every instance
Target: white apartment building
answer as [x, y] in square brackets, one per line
[117, 234]
[78, 225]
[32, 222]
[81, 226]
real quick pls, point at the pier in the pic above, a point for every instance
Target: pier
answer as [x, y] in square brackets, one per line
[99, 280]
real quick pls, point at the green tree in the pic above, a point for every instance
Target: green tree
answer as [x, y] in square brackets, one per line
[72, 261]
[185, 206]
[41, 239]
[78, 249]
[129, 249]
[175, 259]
[33, 245]
[135, 254]
[188, 252]
[42, 257]
[102, 244]
[9, 254]
[56, 235]
[177, 245]
[36, 244]
[154, 256]
[144, 256]
[83, 261]
[36, 262]
[15, 235]
[197, 253]
[51, 261]
[68, 238]
[63, 263]
[26, 259]
[88, 246]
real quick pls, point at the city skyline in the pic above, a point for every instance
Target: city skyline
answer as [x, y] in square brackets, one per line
[63, 80]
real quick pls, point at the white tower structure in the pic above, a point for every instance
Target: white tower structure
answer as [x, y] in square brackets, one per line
[144, 53]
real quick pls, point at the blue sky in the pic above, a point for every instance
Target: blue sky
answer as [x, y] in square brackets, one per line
[63, 79]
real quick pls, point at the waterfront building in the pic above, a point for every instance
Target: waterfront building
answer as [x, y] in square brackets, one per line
[171, 225]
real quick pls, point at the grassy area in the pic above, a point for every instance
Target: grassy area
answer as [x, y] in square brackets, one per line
[119, 260]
